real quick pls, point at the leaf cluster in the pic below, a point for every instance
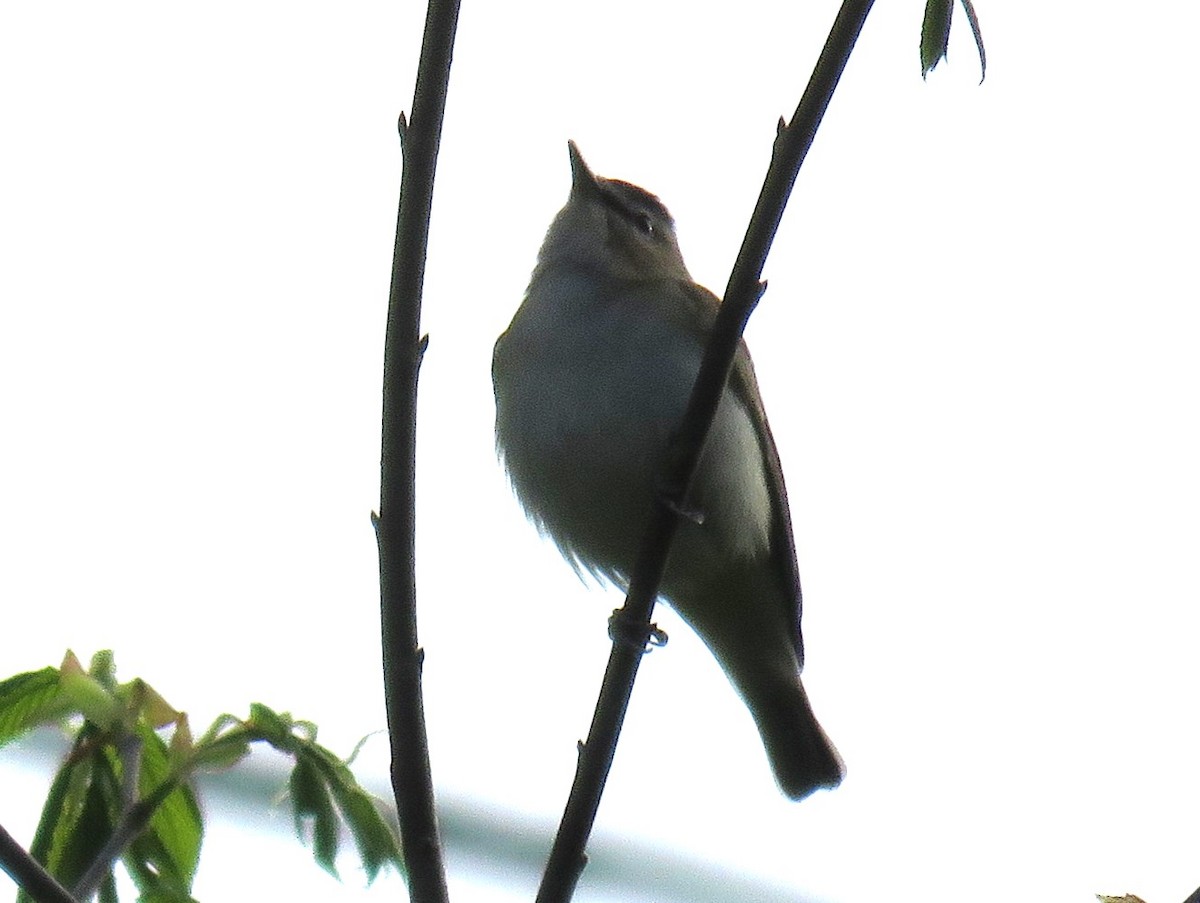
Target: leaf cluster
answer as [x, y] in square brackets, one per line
[124, 791]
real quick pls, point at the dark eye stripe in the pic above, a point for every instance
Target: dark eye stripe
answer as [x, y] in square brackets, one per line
[636, 205]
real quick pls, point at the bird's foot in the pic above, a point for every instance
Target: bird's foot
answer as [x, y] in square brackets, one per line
[635, 634]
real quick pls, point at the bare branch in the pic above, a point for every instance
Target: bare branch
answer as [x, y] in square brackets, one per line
[568, 857]
[395, 523]
[29, 873]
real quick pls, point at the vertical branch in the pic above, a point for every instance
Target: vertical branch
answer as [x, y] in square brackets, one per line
[412, 782]
[568, 857]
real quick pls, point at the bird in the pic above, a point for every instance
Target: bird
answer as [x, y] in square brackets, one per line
[591, 379]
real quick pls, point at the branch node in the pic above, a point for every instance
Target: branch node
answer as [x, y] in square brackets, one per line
[780, 127]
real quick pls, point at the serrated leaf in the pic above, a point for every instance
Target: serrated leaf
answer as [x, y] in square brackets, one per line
[221, 724]
[53, 812]
[373, 836]
[306, 731]
[226, 742]
[276, 729]
[149, 704]
[79, 813]
[27, 700]
[170, 845]
[103, 668]
[221, 753]
[94, 827]
[312, 804]
[935, 33]
[332, 767]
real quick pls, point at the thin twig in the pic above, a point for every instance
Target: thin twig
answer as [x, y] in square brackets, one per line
[568, 857]
[29, 874]
[395, 523]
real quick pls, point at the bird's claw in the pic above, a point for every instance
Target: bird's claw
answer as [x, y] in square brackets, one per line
[635, 635]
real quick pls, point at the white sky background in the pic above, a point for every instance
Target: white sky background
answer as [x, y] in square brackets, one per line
[978, 351]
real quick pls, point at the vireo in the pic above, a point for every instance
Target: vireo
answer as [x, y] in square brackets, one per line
[591, 378]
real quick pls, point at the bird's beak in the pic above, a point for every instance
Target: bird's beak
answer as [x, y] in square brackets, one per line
[583, 181]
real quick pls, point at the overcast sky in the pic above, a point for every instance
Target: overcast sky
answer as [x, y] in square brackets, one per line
[978, 353]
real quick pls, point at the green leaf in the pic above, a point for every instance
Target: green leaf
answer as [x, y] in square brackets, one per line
[95, 825]
[222, 724]
[305, 731]
[163, 887]
[168, 851]
[359, 746]
[321, 785]
[148, 704]
[87, 815]
[223, 752]
[54, 811]
[311, 803]
[376, 842]
[89, 696]
[103, 667]
[79, 813]
[935, 33]
[108, 889]
[276, 729]
[27, 700]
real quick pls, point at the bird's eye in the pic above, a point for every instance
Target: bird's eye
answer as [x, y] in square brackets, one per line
[644, 223]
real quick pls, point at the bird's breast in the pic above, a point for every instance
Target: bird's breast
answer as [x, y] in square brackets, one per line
[589, 390]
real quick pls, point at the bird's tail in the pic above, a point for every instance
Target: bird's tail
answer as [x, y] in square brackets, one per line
[754, 636]
[801, 755]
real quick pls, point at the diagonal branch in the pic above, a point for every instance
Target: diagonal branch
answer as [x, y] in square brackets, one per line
[134, 821]
[395, 523]
[568, 857]
[29, 874]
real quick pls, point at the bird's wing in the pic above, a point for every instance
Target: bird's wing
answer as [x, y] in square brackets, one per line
[700, 319]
